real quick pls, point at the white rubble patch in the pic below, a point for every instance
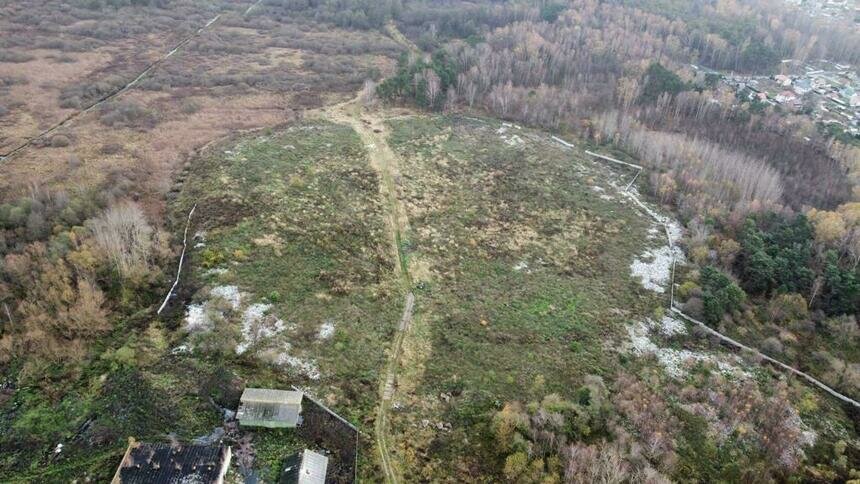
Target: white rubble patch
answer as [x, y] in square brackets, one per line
[306, 367]
[257, 327]
[653, 268]
[326, 330]
[791, 455]
[215, 272]
[674, 362]
[669, 326]
[196, 318]
[601, 192]
[514, 140]
[521, 266]
[197, 315]
[672, 226]
[230, 294]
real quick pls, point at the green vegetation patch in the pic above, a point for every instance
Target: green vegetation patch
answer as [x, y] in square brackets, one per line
[293, 220]
[528, 246]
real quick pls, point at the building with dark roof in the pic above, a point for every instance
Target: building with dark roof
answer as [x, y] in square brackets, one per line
[307, 467]
[173, 464]
[270, 408]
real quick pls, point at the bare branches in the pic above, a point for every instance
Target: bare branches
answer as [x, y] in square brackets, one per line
[703, 175]
[124, 234]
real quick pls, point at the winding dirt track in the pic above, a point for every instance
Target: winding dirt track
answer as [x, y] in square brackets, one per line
[370, 126]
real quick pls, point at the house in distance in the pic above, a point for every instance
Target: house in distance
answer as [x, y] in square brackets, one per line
[171, 463]
[260, 407]
[307, 467]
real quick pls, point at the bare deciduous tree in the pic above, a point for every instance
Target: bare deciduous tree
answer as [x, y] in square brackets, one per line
[434, 86]
[124, 234]
[368, 93]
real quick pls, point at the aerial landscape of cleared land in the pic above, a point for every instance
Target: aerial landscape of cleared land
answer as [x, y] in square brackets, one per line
[525, 241]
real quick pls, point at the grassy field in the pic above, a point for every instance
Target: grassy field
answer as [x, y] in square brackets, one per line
[293, 220]
[519, 254]
[520, 249]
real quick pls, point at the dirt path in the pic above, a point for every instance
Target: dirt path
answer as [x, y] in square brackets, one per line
[393, 32]
[370, 126]
[389, 468]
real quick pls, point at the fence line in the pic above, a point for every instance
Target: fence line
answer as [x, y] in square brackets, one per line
[352, 427]
[181, 260]
[68, 119]
[604, 157]
[707, 328]
[563, 142]
[763, 356]
[333, 414]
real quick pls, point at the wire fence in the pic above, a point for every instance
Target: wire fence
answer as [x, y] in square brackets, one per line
[329, 431]
[674, 309]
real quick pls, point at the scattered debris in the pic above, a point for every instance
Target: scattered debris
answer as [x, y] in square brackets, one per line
[674, 362]
[257, 327]
[653, 268]
[669, 326]
[213, 438]
[229, 294]
[326, 329]
[306, 367]
[181, 350]
[196, 318]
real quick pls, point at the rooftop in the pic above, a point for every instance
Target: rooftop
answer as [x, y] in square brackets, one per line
[265, 395]
[307, 467]
[270, 408]
[169, 464]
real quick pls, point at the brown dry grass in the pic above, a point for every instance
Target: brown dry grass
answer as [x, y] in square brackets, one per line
[152, 157]
[39, 96]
